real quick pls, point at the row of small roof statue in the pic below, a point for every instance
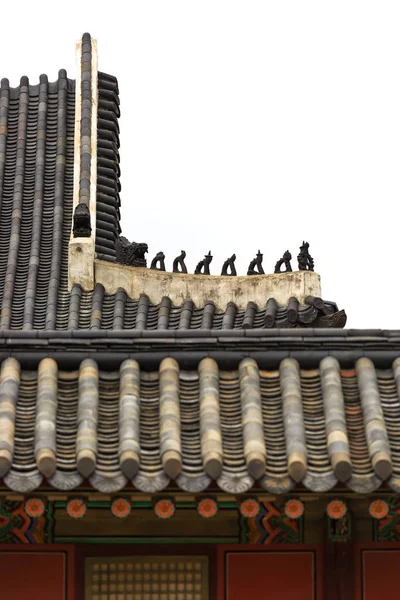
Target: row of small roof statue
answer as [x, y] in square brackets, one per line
[133, 254]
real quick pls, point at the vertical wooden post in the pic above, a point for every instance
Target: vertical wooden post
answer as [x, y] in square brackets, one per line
[338, 568]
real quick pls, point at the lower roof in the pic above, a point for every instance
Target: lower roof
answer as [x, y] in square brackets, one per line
[241, 428]
[97, 310]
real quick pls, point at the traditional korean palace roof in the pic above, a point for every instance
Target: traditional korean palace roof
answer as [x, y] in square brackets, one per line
[59, 207]
[236, 428]
[119, 376]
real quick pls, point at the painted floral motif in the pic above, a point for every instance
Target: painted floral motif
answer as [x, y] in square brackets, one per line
[271, 526]
[207, 508]
[294, 509]
[387, 529]
[17, 527]
[164, 509]
[336, 509]
[379, 509]
[34, 508]
[249, 508]
[76, 508]
[121, 508]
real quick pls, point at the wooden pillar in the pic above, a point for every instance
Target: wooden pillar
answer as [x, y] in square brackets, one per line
[338, 568]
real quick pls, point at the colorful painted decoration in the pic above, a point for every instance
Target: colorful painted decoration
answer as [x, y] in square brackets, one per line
[207, 508]
[387, 529]
[34, 508]
[271, 526]
[249, 508]
[121, 508]
[336, 509]
[164, 509]
[294, 509]
[17, 527]
[339, 530]
[76, 508]
[379, 509]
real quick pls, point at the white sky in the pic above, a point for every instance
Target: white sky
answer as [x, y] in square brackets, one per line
[245, 126]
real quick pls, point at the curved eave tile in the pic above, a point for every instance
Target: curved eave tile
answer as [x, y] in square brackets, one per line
[23, 482]
[197, 428]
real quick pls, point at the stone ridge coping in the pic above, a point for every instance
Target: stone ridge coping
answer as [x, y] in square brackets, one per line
[318, 335]
[219, 289]
[277, 334]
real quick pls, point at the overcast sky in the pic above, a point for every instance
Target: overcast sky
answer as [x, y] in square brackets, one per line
[248, 125]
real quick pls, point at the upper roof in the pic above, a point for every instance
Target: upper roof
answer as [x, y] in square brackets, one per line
[59, 173]
[37, 124]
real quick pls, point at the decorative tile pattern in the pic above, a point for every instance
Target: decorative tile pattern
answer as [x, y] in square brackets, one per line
[147, 578]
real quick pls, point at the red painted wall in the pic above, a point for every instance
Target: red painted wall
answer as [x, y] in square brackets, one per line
[268, 574]
[35, 574]
[379, 569]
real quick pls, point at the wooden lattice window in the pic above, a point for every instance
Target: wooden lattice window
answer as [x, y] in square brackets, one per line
[147, 578]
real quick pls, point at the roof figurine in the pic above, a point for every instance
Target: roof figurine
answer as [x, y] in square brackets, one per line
[306, 262]
[179, 265]
[203, 267]
[255, 266]
[286, 258]
[130, 253]
[82, 227]
[158, 259]
[228, 268]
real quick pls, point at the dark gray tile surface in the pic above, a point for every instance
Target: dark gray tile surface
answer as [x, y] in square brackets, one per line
[36, 197]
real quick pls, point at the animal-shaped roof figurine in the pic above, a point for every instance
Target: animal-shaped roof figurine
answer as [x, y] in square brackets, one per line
[255, 267]
[305, 260]
[203, 267]
[179, 263]
[286, 258]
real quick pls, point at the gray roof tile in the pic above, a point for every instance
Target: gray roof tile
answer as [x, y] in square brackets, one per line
[316, 426]
[37, 124]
